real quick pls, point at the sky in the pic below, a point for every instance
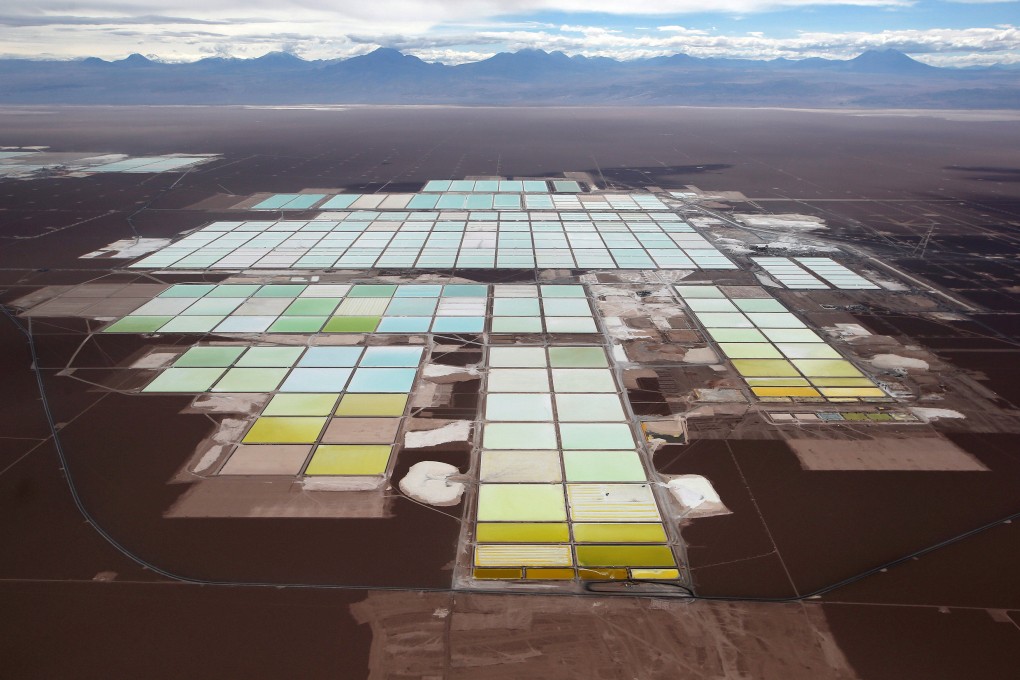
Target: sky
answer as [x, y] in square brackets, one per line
[956, 33]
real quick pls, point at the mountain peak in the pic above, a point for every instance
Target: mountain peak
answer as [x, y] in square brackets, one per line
[384, 54]
[279, 58]
[886, 61]
[136, 59]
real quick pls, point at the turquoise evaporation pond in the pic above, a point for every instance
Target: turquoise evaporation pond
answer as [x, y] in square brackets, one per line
[270, 356]
[199, 357]
[316, 380]
[330, 357]
[382, 380]
[392, 357]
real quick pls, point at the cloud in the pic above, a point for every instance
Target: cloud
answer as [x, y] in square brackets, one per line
[454, 31]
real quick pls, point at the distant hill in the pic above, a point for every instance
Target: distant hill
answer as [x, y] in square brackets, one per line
[873, 79]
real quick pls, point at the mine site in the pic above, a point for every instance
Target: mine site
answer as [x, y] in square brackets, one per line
[422, 392]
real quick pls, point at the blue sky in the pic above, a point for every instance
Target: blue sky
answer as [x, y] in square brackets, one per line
[968, 32]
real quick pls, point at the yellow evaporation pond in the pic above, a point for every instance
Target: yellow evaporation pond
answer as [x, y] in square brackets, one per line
[301, 405]
[625, 556]
[749, 350]
[550, 574]
[512, 574]
[603, 574]
[842, 382]
[852, 392]
[778, 382]
[827, 368]
[334, 459]
[297, 430]
[372, 405]
[785, 392]
[619, 533]
[655, 573]
[765, 367]
[523, 555]
[521, 532]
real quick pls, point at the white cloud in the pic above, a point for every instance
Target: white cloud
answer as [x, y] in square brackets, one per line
[451, 31]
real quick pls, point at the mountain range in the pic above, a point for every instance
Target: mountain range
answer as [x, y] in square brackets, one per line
[873, 79]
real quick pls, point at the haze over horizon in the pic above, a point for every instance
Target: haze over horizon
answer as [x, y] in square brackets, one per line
[957, 33]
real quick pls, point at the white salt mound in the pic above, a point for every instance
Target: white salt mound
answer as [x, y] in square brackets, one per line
[930, 414]
[697, 495]
[895, 361]
[429, 482]
[458, 431]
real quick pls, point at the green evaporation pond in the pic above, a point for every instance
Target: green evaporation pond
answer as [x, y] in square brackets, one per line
[521, 532]
[301, 405]
[184, 380]
[603, 466]
[625, 556]
[521, 502]
[619, 533]
[593, 436]
[250, 380]
[270, 357]
[520, 436]
[577, 357]
[589, 408]
[197, 357]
